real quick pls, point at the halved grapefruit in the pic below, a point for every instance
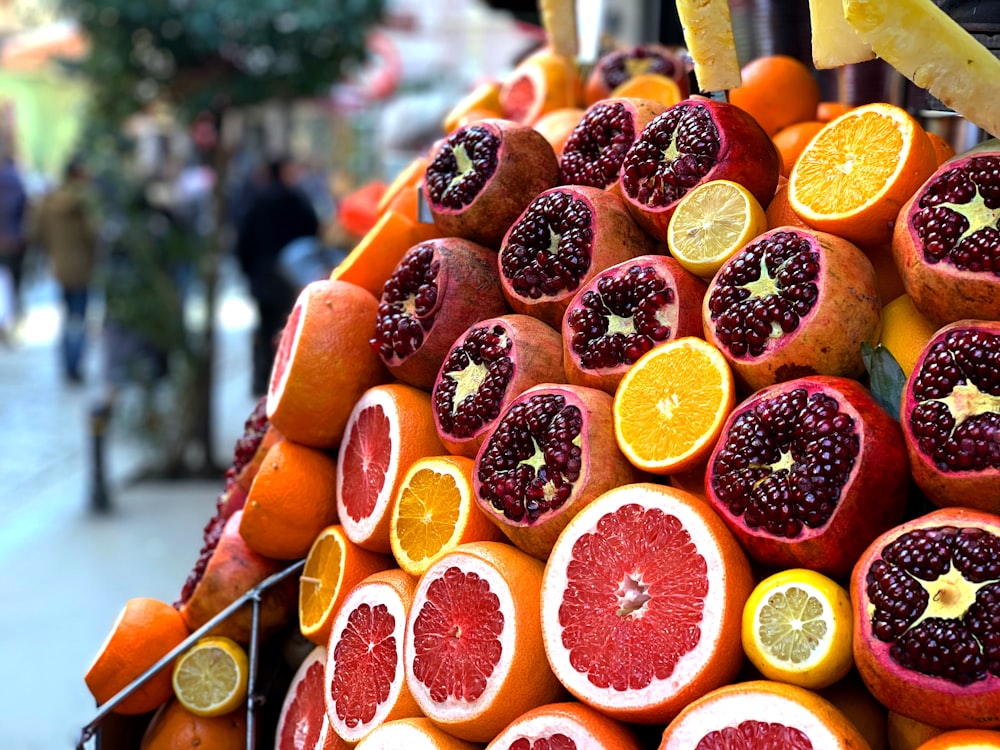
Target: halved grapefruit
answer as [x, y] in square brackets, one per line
[302, 722]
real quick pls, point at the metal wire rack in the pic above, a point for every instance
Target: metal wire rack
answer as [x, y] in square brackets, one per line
[92, 731]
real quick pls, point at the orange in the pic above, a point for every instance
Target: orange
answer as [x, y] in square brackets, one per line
[334, 565]
[408, 177]
[542, 82]
[905, 331]
[358, 210]
[641, 603]
[376, 255]
[557, 125]
[364, 683]
[144, 632]
[324, 362]
[760, 713]
[413, 734]
[434, 510]
[963, 739]
[175, 728]
[942, 148]
[670, 405]
[792, 139]
[389, 428]
[858, 171]
[210, 678]
[566, 724]
[777, 90]
[653, 86]
[905, 733]
[473, 652]
[779, 211]
[483, 97]
[827, 110]
[797, 628]
[292, 499]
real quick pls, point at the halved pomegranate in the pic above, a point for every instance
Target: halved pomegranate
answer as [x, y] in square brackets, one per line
[793, 302]
[564, 237]
[689, 143]
[481, 177]
[808, 472]
[951, 416]
[946, 241]
[926, 598]
[623, 312]
[552, 452]
[439, 289]
[486, 368]
[616, 66]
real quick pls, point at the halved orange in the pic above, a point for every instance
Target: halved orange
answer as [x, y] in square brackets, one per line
[653, 86]
[407, 181]
[333, 567]
[671, 404]
[856, 173]
[484, 97]
[434, 510]
[415, 734]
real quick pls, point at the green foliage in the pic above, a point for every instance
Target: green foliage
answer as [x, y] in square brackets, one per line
[212, 54]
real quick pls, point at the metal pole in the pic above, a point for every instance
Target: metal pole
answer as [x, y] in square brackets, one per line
[100, 500]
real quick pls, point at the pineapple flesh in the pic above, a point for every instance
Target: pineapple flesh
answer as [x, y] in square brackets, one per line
[834, 42]
[933, 51]
[708, 35]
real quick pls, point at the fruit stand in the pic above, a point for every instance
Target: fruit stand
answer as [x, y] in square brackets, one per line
[658, 408]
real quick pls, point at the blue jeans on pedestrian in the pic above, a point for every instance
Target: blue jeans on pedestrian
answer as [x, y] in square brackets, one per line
[74, 334]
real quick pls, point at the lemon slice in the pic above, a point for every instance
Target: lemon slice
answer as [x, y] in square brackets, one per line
[210, 678]
[797, 628]
[711, 224]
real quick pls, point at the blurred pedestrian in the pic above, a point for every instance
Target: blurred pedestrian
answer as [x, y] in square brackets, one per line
[64, 228]
[13, 242]
[279, 213]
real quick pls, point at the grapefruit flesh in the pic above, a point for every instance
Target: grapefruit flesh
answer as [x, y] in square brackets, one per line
[302, 714]
[366, 657]
[367, 459]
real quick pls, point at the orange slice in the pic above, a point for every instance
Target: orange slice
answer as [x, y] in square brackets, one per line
[408, 180]
[653, 86]
[670, 406]
[856, 173]
[434, 511]
[333, 567]
[483, 97]
[389, 428]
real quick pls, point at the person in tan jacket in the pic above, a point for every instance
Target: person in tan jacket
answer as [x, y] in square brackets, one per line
[63, 227]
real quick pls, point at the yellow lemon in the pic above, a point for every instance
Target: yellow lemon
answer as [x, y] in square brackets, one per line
[210, 678]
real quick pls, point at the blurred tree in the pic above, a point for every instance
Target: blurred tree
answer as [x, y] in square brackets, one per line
[203, 59]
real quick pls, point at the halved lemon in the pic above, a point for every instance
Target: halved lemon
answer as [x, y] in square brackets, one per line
[797, 628]
[210, 678]
[711, 224]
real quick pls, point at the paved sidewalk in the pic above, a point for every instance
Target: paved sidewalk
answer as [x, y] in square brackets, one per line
[65, 572]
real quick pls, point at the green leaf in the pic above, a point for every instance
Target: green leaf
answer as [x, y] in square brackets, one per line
[886, 378]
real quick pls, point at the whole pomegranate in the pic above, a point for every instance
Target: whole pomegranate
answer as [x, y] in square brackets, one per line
[481, 177]
[946, 241]
[438, 289]
[808, 472]
[486, 368]
[596, 147]
[950, 415]
[926, 598]
[551, 452]
[689, 143]
[793, 302]
[564, 237]
[623, 312]
[618, 65]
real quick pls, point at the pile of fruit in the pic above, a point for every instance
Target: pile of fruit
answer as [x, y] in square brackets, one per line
[640, 418]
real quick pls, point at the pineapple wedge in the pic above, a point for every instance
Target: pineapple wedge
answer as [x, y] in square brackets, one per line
[708, 35]
[834, 41]
[931, 49]
[559, 22]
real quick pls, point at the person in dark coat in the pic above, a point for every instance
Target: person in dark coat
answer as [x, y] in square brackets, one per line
[278, 214]
[13, 243]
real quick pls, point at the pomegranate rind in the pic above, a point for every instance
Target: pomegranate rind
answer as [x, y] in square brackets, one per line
[577, 722]
[304, 726]
[526, 165]
[597, 87]
[718, 655]
[941, 291]
[682, 316]
[881, 470]
[827, 340]
[930, 700]
[791, 706]
[536, 356]
[520, 642]
[979, 489]
[603, 466]
[615, 237]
